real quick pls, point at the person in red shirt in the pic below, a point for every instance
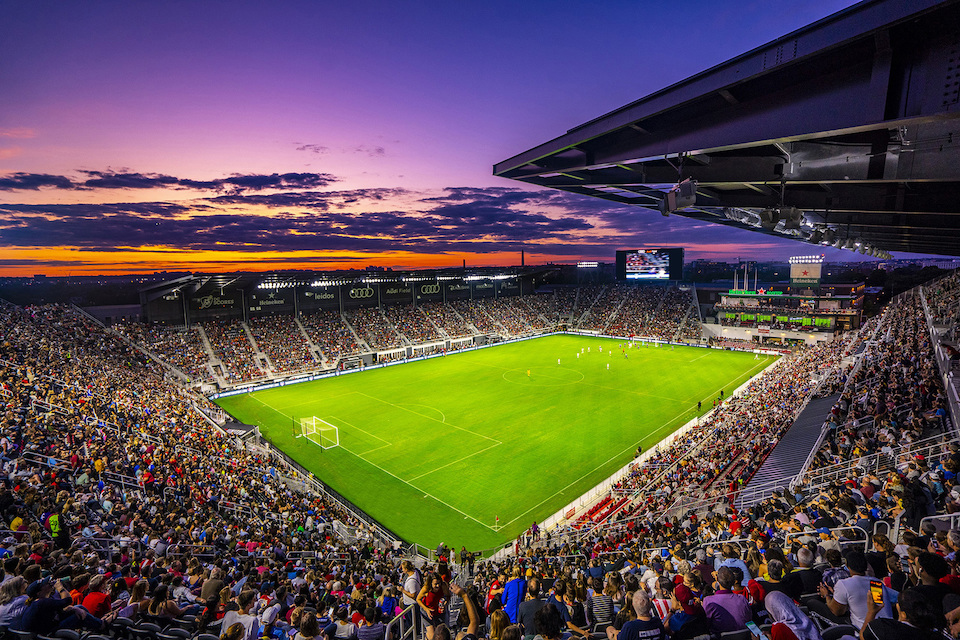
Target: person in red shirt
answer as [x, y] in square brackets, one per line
[97, 601]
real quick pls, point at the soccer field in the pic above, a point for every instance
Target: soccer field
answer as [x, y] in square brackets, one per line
[438, 449]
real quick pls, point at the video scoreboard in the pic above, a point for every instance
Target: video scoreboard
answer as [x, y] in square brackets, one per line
[650, 264]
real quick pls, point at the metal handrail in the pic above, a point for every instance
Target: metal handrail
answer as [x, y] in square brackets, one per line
[836, 531]
[404, 619]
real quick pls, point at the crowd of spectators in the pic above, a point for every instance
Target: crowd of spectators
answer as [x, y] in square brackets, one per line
[208, 528]
[786, 560]
[544, 309]
[894, 398]
[636, 311]
[331, 335]
[604, 307]
[232, 347]
[943, 296]
[369, 323]
[181, 346]
[443, 316]
[515, 316]
[654, 312]
[280, 338]
[412, 323]
[475, 312]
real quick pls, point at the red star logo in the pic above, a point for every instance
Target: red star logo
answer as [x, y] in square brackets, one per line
[761, 291]
[805, 272]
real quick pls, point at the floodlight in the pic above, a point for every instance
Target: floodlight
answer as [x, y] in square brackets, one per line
[769, 218]
[792, 218]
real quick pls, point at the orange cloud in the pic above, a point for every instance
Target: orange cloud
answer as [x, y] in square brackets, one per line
[61, 261]
[9, 152]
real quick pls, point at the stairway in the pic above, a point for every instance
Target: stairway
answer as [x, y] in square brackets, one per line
[787, 458]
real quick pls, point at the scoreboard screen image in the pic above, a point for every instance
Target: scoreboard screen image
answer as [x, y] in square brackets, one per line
[650, 264]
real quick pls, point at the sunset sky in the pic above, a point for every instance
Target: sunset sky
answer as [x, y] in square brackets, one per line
[226, 136]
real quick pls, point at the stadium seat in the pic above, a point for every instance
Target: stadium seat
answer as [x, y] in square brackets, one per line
[742, 634]
[67, 634]
[837, 632]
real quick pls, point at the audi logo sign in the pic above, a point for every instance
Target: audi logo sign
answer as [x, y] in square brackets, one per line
[365, 292]
[430, 288]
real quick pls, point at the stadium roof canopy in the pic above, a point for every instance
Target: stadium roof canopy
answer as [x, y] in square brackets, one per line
[209, 283]
[844, 132]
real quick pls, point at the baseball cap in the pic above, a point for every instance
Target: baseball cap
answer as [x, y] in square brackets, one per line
[686, 599]
[35, 587]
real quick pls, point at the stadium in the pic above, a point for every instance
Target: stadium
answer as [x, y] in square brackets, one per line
[606, 449]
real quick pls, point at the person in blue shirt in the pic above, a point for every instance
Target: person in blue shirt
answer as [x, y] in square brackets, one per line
[513, 594]
[731, 558]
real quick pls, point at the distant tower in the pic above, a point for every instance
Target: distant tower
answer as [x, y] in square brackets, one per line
[522, 263]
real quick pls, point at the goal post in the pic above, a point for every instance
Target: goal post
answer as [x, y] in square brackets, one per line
[320, 432]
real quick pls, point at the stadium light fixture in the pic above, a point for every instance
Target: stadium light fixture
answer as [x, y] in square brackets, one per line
[849, 244]
[792, 218]
[588, 264]
[816, 236]
[829, 236]
[769, 218]
[680, 196]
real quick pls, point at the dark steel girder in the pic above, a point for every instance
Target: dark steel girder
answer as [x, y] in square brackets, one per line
[854, 119]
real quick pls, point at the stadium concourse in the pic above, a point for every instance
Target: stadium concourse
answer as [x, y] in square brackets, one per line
[132, 515]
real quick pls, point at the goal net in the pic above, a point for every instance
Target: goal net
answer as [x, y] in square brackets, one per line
[320, 432]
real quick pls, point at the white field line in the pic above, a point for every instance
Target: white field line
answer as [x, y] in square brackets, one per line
[613, 457]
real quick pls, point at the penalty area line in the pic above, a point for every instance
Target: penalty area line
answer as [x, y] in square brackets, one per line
[497, 444]
[413, 486]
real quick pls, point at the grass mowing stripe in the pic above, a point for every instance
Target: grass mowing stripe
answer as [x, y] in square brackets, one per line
[558, 433]
[410, 484]
[618, 454]
[443, 421]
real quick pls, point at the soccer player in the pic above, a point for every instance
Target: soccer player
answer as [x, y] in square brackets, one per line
[608, 366]
[578, 356]
[528, 373]
[558, 360]
[699, 405]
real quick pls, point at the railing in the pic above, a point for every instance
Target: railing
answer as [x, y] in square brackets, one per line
[404, 624]
[944, 366]
[933, 448]
[943, 522]
[863, 538]
[824, 430]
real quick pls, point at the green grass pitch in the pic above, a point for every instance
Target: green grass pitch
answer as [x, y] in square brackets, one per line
[438, 449]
